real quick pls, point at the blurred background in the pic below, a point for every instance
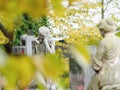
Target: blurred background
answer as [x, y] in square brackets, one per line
[73, 23]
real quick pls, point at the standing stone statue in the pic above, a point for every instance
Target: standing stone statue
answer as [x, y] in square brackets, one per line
[107, 59]
[46, 43]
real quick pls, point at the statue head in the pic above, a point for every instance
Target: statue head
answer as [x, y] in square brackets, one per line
[106, 26]
[44, 31]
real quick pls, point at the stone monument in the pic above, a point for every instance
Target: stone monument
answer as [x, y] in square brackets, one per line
[106, 62]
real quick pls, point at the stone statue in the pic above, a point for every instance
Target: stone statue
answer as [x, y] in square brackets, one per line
[106, 62]
[46, 43]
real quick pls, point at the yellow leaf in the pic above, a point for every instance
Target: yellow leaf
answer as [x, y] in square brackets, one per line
[81, 55]
[51, 65]
[18, 71]
[57, 7]
[71, 1]
[35, 8]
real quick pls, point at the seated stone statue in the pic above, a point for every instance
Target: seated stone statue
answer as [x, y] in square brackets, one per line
[46, 43]
[107, 59]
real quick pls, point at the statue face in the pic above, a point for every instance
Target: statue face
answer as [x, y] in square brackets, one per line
[101, 27]
[102, 32]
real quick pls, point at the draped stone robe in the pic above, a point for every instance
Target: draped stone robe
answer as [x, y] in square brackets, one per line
[107, 64]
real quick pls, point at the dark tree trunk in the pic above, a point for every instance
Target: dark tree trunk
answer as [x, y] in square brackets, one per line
[8, 47]
[102, 9]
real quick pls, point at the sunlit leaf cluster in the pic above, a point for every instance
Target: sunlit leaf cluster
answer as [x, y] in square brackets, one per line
[77, 24]
[9, 9]
[89, 36]
[19, 71]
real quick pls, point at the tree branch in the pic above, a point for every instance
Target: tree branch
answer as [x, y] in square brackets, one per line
[107, 4]
[8, 47]
[102, 9]
[3, 29]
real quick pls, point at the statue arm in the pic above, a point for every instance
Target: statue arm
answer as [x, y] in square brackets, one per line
[53, 46]
[98, 60]
[48, 46]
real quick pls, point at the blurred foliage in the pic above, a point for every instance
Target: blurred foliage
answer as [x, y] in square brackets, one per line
[77, 23]
[83, 51]
[118, 33]
[57, 7]
[18, 72]
[9, 9]
[18, 7]
[51, 65]
[25, 24]
[89, 36]
[81, 55]
[71, 1]
[7, 21]
[64, 81]
[41, 86]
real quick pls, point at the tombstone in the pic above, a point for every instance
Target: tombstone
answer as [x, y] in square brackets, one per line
[29, 41]
[76, 76]
[85, 73]
[27, 45]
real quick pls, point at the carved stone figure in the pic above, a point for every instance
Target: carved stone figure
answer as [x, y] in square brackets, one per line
[106, 62]
[46, 43]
